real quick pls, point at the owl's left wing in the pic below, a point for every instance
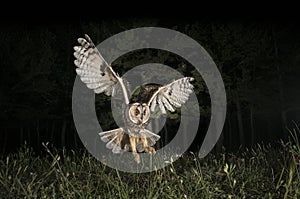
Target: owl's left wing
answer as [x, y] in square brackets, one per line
[171, 95]
[94, 71]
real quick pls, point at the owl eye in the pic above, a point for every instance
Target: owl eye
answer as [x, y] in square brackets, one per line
[136, 112]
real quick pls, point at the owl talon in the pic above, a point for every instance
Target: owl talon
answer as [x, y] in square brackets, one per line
[137, 159]
[150, 149]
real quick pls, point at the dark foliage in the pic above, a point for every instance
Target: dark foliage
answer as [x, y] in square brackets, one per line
[259, 62]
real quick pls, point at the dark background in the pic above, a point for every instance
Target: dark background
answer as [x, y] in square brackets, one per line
[258, 57]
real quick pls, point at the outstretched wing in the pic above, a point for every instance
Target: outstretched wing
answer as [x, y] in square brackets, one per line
[171, 95]
[94, 71]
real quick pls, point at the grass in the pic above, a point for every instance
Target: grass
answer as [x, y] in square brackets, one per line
[262, 172]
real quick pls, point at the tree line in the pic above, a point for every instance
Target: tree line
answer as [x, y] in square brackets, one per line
[258, 61]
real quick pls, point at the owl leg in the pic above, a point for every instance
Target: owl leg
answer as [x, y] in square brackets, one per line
[133, 148]
[148, 149]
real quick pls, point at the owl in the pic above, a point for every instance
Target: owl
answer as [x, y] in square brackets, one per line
[99, 76]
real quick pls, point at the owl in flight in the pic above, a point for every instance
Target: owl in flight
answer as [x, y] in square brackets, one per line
[99, 76]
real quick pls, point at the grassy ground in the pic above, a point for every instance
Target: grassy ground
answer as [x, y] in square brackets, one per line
[262, 172]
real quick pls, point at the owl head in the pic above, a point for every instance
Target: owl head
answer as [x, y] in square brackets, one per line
[139, 113]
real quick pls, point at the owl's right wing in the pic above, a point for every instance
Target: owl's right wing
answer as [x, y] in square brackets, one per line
[94, 71]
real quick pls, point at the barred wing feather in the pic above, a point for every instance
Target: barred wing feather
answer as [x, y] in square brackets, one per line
[172, 95]
[93, 70]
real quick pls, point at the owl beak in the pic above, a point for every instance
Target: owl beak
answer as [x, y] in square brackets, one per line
[141, 120]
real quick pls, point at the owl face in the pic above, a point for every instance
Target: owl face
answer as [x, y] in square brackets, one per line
[139, 113]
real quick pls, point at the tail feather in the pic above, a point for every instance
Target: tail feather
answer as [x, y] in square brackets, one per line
[116, 140]
[112, 142]
[151, 138]
[109, 135]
